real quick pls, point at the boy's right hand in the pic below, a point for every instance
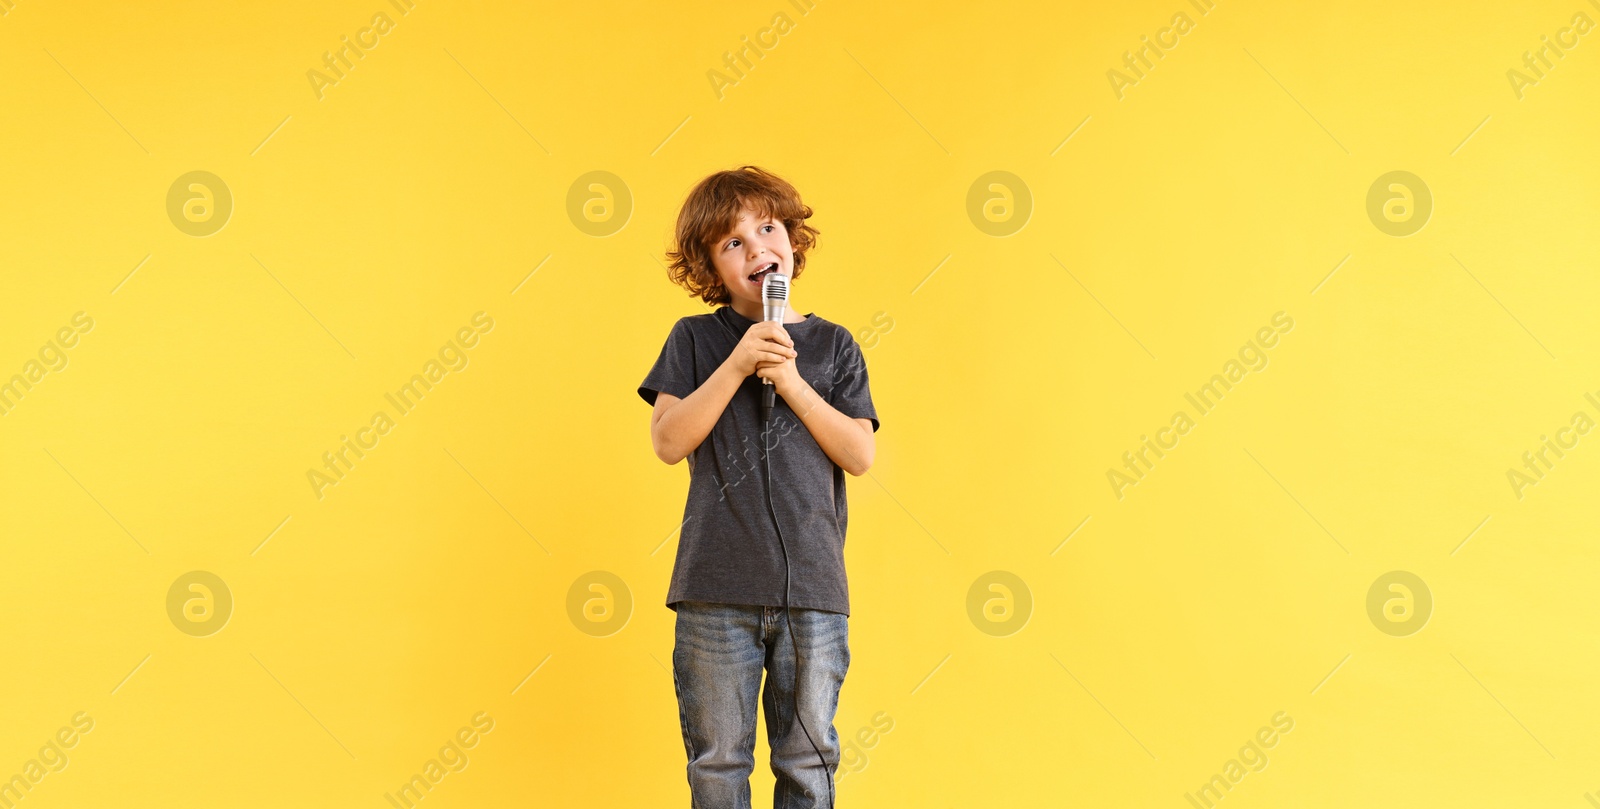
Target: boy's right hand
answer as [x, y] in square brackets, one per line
[763, 342]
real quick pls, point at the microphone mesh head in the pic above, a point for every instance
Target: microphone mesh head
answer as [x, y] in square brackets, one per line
[775, 287]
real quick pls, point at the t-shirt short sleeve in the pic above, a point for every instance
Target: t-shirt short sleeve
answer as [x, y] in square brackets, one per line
[851, 395]
[674, 370]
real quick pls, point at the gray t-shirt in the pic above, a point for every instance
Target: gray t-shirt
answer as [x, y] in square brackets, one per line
[728, 551]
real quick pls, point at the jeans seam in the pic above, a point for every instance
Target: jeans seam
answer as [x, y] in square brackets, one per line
[683, 723]
[782, 800]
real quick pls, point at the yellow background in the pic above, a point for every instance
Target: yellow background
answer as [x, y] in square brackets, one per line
[431, 182]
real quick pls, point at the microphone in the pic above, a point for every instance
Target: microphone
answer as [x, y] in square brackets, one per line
[775, 300]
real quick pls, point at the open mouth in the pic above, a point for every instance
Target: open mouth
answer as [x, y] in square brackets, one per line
[759, 275]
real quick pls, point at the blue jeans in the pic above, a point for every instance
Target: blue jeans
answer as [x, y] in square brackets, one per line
[717, 660]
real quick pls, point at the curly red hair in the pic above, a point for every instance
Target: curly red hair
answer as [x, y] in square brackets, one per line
[711, 211]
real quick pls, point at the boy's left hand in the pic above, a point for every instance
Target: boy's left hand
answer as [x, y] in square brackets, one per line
[785, 377]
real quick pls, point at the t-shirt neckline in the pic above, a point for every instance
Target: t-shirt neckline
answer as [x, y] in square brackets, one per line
[810, 318]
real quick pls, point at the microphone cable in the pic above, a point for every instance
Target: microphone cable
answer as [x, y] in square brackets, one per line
[766, 429]
[766, 457]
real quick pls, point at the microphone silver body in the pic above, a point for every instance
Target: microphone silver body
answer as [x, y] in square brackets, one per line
[774, 304]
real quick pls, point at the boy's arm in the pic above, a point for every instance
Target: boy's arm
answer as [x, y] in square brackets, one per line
[677, 426]
[849, 442]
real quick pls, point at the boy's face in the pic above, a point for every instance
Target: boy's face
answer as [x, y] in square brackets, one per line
[744, 255]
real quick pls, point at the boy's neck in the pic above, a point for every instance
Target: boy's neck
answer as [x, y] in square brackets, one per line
[754, 311]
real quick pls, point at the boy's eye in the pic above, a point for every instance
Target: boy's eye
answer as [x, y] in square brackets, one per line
[735, 242]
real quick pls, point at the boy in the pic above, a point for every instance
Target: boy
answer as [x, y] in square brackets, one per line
[766, 514]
